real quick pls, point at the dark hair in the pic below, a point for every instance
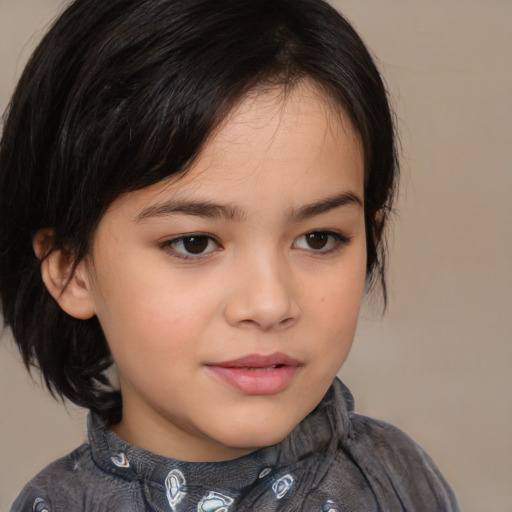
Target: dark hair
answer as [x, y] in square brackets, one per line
[122, 94]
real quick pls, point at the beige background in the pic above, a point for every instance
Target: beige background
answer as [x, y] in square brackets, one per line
[438, 364]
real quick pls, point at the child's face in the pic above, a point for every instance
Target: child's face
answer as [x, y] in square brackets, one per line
[229, 298]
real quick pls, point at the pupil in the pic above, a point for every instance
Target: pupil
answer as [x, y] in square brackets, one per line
[195, 244]
[317, 240]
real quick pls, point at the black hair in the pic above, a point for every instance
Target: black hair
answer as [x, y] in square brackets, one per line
[122, 94]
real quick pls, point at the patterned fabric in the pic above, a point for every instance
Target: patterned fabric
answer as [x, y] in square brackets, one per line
[333, 461]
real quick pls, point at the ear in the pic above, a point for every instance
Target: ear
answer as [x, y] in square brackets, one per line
[69, 287]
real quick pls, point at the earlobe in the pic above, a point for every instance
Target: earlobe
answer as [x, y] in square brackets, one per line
[67, 285]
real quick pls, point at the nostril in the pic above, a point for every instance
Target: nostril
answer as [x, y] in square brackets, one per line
[248, 323]
[252, 324]
[287, 322]
[262, 306]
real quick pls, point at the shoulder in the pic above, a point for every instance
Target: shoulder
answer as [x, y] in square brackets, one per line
[390, 459]
[58, 485]
[384, 438]
[76, 483]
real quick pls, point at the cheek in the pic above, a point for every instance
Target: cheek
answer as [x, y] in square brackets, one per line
[154, 321]
[334, 304]
[337, 297]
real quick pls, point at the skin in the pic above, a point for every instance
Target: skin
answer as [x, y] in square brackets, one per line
[256, 286]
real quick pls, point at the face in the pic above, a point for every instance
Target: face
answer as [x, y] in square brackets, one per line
[229, 297]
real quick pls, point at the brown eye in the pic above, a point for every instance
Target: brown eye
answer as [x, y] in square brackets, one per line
[191, 246]
[321, 242]
[195, 244]
[317, 240]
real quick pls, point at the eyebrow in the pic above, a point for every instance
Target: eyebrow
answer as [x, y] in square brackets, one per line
[325, 205]
[196, 208]
[232, 212]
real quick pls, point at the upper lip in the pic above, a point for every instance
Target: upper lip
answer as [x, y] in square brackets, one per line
[259, 361]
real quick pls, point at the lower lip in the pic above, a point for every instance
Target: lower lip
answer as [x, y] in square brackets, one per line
[257, 381]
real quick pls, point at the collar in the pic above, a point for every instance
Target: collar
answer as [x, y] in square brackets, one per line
[167, 482]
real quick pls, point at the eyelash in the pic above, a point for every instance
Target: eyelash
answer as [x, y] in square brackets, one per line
[170, 246]
[336, 241]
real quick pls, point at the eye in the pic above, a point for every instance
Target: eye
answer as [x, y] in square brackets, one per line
[321, 241]
[191, 245]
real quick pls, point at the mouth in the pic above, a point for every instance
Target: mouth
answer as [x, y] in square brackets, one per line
[257, 374]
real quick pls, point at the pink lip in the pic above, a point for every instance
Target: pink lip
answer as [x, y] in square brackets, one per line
[257, 374]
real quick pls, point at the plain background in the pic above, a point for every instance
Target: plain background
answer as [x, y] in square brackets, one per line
[438, 364]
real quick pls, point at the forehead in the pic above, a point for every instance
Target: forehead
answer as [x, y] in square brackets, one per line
[279, 146]
[278, 126]
[275, 117]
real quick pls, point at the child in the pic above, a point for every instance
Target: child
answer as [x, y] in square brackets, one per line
[197, 191]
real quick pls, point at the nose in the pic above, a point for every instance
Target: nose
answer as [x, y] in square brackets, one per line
[263, 296]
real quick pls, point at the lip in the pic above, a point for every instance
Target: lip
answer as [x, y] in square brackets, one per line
[257, 374]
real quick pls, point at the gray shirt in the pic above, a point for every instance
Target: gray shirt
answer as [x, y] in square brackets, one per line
[334, 461]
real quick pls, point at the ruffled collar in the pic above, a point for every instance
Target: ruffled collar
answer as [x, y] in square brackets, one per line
[214, 486]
